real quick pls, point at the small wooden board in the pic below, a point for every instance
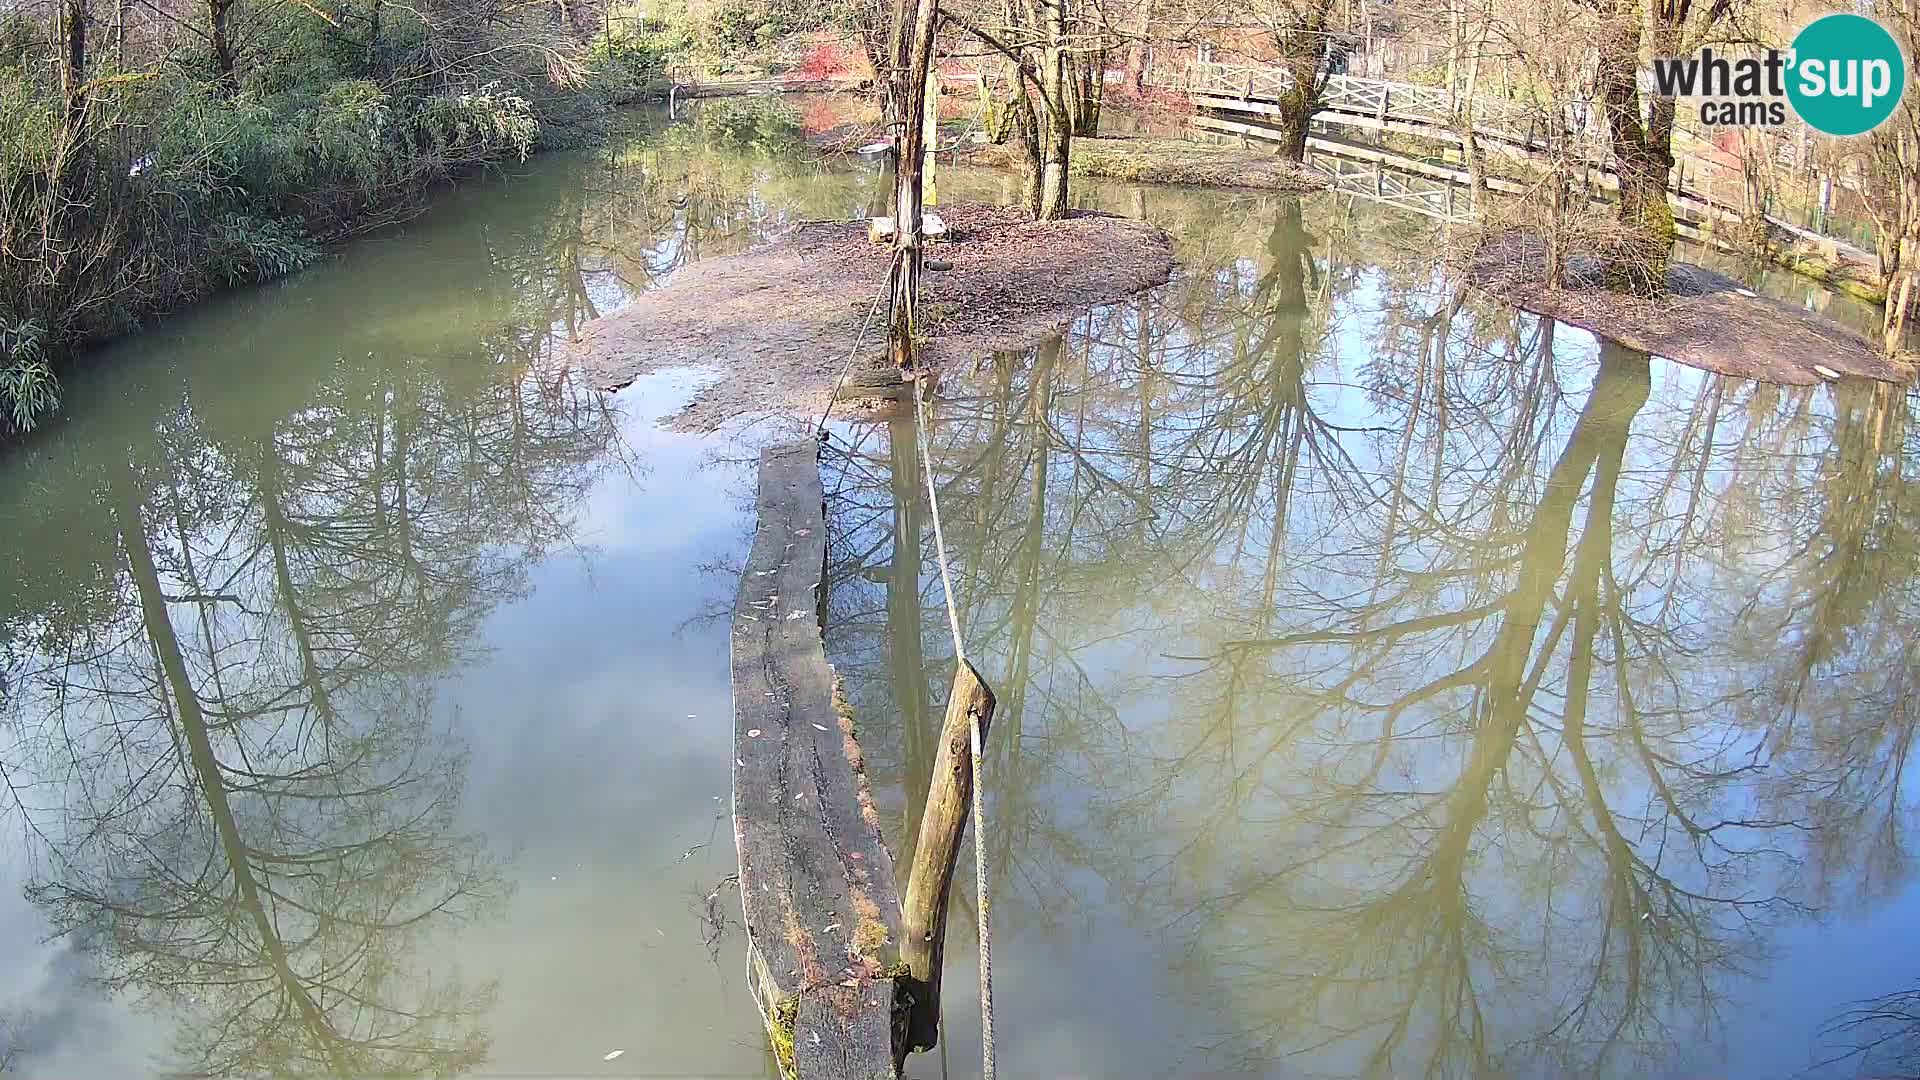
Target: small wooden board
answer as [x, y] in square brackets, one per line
[816, 882]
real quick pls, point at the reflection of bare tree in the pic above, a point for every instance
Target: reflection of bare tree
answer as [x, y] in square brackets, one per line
[1534, 689]
[245, 806]
[1881, 1036]
[280, 896]
[710, 186]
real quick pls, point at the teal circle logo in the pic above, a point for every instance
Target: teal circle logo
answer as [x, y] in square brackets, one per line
[1846, 75]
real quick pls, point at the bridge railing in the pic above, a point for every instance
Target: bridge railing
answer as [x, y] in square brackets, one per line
[1348, 98]
[1381, 99]
[1378, 97]
[1250, 81]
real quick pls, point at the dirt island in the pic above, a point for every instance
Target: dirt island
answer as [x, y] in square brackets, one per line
[778, 322]
[1703, 319]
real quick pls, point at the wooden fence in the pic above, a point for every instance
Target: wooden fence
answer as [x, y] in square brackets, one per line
[1399, 105]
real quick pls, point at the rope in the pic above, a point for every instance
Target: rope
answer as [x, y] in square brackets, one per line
[920, 418]
[939, 534]
[847, 368]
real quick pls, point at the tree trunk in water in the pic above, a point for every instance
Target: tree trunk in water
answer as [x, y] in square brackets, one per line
[906, 662]
[923, 904]
[200, 754]
[1643, 159]
[909, 163]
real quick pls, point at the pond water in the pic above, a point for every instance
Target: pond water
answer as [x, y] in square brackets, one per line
[1389, 683]
[1393, 684]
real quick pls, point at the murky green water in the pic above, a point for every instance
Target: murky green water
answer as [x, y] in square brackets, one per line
[366, 704]
[1393, 685]
[1389, 684]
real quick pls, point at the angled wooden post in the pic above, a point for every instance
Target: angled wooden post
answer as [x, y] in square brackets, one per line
[923, 922]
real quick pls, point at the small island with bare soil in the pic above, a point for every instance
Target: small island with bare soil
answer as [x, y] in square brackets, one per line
[1698, 317]
[778, 322]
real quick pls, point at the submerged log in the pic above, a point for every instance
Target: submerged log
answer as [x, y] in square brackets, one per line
[875, 382]
[816, 882]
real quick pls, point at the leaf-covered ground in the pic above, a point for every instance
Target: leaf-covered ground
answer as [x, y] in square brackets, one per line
[1704, 320]
[778, 322]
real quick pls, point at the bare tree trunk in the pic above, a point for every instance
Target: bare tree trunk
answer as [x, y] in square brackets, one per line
[1026, 125]
[1137, 48]
[1469, 141]
[1300, 44]
[1756, 189]
[899, 59]
[1906, 261]
[909, 163]
[1086, 83]
[73, 74]
[1056, 121]
[219, 35]
[1643, 160]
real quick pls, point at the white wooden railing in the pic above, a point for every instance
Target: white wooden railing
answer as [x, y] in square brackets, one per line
[1381, 100]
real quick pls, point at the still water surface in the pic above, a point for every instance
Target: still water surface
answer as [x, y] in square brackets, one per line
[1390, 684]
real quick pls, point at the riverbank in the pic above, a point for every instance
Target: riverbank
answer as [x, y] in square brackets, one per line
[1172, 161]
[152, 177]
[778, 322]
[1704, 319]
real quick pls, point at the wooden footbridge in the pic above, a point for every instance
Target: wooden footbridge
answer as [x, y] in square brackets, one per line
[1419, 185]
[1242, 100]
[1426, 112]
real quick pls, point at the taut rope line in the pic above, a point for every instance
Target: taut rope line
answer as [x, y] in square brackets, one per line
[920, 417]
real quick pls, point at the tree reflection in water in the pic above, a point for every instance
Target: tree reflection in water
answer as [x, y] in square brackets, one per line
[1480, 706]
[221, 730]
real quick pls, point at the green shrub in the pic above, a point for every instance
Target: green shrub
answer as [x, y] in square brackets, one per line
[482, 125]
[352, 134]
[21, 42]
[176, 185]
[639, 47]
[732, 25]
[28, 390]
[250, 249]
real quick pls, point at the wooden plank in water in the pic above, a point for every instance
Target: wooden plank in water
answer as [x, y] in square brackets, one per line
[816, 882]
